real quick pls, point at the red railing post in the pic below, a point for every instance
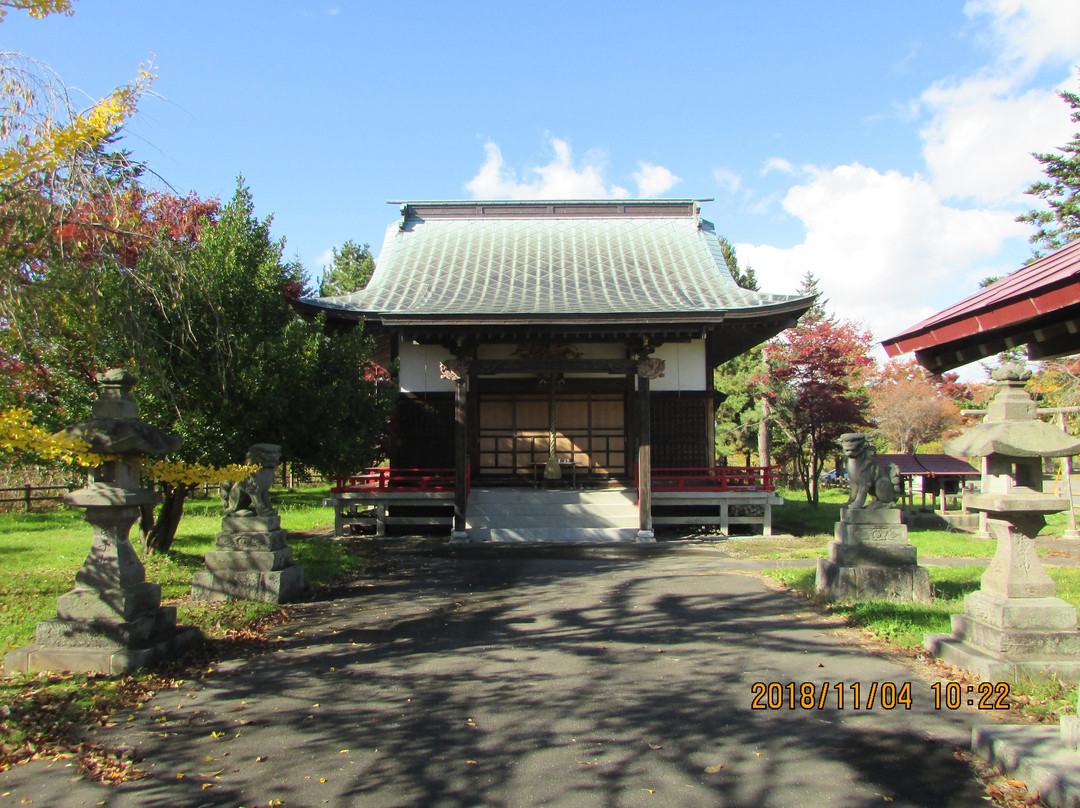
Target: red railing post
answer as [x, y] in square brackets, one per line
[717, 478]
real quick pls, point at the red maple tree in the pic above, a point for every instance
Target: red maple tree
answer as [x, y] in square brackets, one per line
[815, 375]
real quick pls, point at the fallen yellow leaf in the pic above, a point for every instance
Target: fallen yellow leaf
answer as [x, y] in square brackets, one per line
[714, 769]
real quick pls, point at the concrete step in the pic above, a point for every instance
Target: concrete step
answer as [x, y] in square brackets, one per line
[553, 535]
[528, 496]
[551, 510]
[577, 515]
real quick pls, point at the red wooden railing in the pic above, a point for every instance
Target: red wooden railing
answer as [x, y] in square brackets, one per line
[386, 479]
[717, 478]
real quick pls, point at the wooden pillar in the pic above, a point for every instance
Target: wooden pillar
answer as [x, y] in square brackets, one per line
[457, 370]
[1066, 469]
[461, 456]
[645, 525]
[648, 368]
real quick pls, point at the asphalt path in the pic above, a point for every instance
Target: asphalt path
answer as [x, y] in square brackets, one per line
[560, 678]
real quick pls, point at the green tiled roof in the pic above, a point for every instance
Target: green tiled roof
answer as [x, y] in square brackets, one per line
[527, 261]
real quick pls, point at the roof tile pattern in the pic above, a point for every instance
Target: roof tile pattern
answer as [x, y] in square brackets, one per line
[550, 265]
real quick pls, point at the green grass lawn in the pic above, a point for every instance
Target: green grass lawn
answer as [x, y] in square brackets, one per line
[39, 556]
[41, 552]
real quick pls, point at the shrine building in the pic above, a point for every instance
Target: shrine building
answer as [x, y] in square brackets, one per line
[556, 348]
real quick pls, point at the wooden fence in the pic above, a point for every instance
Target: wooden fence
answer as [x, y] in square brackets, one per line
[29, 494]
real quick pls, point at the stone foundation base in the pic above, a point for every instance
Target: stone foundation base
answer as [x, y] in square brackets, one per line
[107, 634]
[272, 586]
[109, 660]
[908, 583]
[1005, 639]
[993, 667]
[251, 562]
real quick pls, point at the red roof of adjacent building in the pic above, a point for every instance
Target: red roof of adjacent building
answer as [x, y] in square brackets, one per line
[1038, 305]
[929, 465]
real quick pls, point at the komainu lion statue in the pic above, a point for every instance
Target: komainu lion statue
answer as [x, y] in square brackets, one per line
[251, 495]
[867, 477]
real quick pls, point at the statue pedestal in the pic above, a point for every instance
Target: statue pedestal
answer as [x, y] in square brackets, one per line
[113, 620]
[1014, 627]
[251, 562]
[871, 559]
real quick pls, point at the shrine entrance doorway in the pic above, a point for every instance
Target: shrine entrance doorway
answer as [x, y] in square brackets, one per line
[514, 433]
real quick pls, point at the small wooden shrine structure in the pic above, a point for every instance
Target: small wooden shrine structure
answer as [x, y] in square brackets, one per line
[556, 339]
[939, 475]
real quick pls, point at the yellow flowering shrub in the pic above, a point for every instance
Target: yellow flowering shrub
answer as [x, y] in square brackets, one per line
[176, 472]
[19, 434]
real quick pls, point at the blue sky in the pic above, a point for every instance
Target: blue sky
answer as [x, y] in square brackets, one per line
[883, 146]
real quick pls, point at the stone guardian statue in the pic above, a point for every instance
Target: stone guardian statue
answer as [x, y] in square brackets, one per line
[866, 476]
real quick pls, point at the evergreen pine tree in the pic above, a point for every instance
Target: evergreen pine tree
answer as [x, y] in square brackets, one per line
[1061, 191]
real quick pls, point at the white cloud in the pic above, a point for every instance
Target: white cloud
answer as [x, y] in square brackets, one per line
[727, 179]
[1028, 34]
[983, 127]
[886, 250]
[654, 180]
[978, 143]
[777, 164]
[891, 249]
[559, 179]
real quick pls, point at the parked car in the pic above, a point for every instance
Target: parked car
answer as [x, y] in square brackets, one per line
[833, 477]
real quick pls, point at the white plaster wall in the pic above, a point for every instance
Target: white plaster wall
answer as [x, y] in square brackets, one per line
[419, 369]
[685, 366]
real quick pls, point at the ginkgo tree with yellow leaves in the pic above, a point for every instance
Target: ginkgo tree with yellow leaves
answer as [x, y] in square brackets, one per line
[40, 130]
[19, 435]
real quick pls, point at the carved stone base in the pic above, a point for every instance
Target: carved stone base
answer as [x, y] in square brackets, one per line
[251, 562]
[908, 583]
[113, 620]
[276, 586]
[872, 559]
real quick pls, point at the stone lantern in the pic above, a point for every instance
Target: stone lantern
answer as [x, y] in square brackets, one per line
[113, 620]
[1014, 626]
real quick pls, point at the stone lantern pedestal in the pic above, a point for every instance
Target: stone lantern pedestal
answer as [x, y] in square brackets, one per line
[1015, 626]
[113, 620]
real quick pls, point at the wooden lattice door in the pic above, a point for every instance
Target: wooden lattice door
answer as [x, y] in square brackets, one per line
[590, 433]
